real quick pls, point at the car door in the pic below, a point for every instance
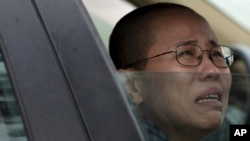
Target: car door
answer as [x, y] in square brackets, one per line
[63, 82]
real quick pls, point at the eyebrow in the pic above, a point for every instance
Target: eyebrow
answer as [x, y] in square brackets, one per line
[187, 42]
[213, 42]
[195, 41]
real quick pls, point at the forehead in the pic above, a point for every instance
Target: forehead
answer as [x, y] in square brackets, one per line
[173, 13]
[175, 18]
[177, 25]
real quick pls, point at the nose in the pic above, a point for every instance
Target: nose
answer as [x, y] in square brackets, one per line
[207, 69]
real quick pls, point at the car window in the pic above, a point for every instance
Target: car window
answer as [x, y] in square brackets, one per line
[11, 125]
[154, 87]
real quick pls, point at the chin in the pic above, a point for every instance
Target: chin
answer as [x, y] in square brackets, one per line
[211, 123]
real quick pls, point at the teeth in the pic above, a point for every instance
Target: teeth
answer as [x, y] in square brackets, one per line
[210, 97]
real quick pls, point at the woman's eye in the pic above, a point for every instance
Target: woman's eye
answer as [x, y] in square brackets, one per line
[186, 53]
[217, 54]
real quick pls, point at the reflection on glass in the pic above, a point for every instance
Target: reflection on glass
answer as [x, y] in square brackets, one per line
[199, 105]
[11, 126]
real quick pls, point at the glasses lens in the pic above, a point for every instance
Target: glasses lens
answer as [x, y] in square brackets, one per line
[189, 55]
[222, 56]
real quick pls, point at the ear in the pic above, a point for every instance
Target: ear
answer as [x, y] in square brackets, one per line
[133, 89]
[135, 93]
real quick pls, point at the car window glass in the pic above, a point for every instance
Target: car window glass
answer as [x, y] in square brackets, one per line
[11, 125]
[155, 84]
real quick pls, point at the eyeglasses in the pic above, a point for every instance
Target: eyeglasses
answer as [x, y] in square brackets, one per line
[191, 55]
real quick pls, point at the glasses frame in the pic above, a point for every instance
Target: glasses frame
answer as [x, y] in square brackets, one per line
[175, 51]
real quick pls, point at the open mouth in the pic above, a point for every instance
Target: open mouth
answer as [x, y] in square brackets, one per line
[209, 97]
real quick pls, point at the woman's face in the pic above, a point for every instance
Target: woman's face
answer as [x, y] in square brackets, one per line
[193, 98]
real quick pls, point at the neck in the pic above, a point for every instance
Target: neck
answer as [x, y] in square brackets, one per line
[185, 135]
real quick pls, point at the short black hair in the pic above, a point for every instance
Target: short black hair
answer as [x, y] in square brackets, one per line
[132, 36]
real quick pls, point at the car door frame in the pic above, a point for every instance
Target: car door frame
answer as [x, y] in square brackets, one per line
[63, 79]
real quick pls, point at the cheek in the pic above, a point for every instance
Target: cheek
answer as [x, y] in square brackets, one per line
[168, 88]
[226, 82]
[226, 71]
[157, 66]
[163, 64]
[178, 91]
